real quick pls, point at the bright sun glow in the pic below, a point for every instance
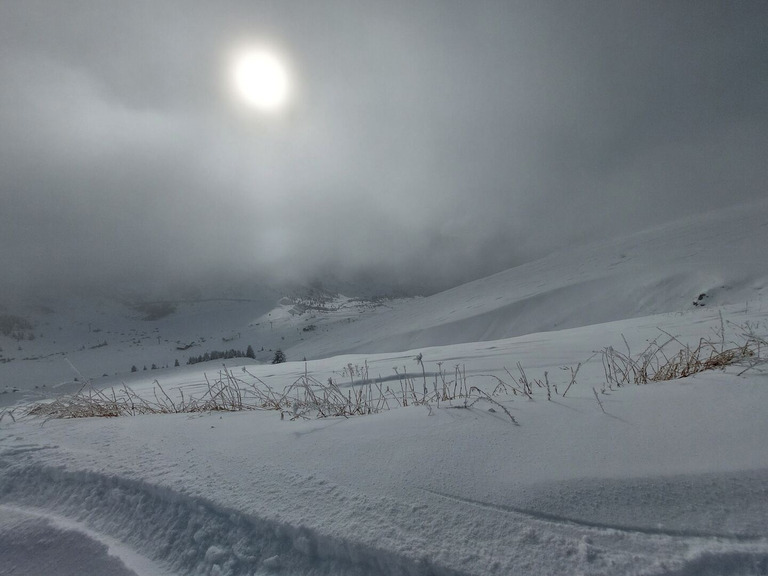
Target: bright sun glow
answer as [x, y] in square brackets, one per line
[261, 79]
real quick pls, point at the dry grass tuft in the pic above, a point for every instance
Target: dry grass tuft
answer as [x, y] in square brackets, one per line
[307, 397]
[657, 363]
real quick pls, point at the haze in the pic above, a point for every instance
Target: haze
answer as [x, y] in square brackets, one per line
[426, 143]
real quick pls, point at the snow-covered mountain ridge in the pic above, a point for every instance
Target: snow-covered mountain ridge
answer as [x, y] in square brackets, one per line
[706, 260]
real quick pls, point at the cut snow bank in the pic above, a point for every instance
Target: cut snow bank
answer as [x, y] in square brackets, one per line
[189, 535]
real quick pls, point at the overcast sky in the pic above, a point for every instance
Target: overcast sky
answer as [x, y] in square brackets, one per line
[426, 142]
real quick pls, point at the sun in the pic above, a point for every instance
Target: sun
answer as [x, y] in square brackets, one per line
[261, 79]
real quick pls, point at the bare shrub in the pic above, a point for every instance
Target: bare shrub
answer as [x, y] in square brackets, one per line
[657, 362]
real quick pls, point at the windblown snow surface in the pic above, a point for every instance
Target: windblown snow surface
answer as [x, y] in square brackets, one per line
[666, 478]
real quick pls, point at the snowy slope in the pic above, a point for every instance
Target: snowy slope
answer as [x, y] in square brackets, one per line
[664, 269]
[101, 339]
[666, 478]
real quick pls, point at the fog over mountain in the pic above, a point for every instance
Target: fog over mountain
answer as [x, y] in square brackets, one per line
[425, 144]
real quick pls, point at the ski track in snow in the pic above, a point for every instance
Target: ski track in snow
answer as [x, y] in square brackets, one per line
[558, 519]
[64, 546]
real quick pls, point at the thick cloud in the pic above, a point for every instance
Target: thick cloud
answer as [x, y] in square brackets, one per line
[428, 142]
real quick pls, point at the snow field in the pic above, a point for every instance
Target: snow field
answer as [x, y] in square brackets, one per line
[670, 481]
[665, 478]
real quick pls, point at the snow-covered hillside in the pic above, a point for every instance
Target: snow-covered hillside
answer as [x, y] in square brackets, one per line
[59, 344]
[720, 255]
[668, 477]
